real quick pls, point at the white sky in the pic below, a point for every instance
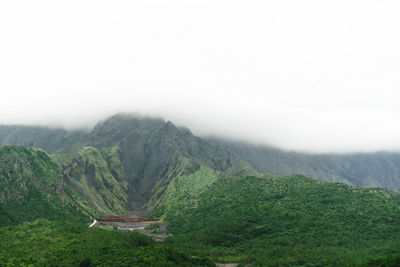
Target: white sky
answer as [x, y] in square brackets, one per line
[305, 75]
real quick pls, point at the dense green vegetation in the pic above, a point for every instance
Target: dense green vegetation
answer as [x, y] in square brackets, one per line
[387, 261]
[44, 243]
[289, 221]
[183, 191]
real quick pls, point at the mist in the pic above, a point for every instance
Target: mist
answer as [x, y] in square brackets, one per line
[311, 76]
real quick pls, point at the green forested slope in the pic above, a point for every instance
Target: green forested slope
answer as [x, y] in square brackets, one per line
[98, 177]
[44, 243]
[71, 187]
[288, 221]
[31, 187]
[182, 190]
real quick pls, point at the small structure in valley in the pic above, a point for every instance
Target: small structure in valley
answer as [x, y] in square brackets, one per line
[155, 228]
[123, 219]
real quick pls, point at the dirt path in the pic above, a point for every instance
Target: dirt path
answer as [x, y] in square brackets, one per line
[93, 224]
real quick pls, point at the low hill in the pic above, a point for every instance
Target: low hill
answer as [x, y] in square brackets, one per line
[285, 221]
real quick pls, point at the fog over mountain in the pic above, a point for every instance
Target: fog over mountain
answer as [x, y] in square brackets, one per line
[300, 75]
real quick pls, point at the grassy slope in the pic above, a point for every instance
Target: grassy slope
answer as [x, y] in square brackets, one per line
[288, 221]
[44, 243]
[183, 191]
[31, 187]
[185, 180]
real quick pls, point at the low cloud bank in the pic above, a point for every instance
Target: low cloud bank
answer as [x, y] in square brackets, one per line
[301, 75]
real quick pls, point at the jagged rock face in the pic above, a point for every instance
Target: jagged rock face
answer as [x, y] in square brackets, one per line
[98, 177]
[149, 154]
[115, 129]
[149, 149]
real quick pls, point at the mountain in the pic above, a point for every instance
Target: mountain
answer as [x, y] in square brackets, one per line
[124, 161]
[147, 146]
[221, 199]
[379, 169]
[149, 152]
[142, 140]
[51, 140]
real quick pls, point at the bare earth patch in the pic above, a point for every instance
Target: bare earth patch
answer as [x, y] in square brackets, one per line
[158, 233]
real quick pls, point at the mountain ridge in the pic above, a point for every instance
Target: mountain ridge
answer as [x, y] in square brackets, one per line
[120, 164]
[141, 134]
